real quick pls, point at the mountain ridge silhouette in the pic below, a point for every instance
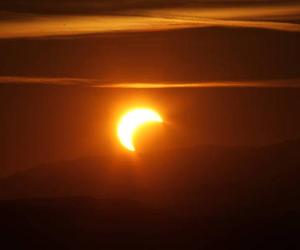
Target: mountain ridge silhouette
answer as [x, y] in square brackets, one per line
[201, 197]
[218, 177]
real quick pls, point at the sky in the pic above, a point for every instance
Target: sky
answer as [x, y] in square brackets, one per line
[69, 18]
[221, 72]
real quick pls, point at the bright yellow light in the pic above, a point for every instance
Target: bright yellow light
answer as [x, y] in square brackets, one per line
[131, 121]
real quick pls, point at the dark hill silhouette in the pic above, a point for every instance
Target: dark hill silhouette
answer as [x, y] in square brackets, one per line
[81, 223]
[194, 198]
[207, 177]
[85, 223]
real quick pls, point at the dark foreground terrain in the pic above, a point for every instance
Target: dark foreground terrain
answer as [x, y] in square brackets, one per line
[197, 198]
[85, 223]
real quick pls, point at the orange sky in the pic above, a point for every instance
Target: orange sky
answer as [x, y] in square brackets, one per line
[277, 17]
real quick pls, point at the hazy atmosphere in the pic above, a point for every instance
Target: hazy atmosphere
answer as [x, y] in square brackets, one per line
[173, 121]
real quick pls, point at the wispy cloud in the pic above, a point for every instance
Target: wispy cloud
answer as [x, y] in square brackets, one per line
[278, 17]
[282, 83]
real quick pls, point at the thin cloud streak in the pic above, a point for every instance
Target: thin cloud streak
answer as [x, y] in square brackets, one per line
[39, 25]
[80, 25]
[285, 83]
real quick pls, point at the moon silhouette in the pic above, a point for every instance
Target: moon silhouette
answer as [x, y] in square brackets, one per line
[130, 122]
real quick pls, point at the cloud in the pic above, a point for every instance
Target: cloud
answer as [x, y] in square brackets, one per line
[108, 20]
[281, 83]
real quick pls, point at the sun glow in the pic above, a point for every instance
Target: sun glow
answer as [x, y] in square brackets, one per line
[131, 121]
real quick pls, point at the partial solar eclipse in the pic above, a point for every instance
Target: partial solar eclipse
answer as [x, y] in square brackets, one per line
[131, 121]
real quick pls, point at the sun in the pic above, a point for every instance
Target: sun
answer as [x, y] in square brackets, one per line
[130, 122]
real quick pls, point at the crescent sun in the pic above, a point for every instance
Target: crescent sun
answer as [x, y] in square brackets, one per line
[131, 121]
